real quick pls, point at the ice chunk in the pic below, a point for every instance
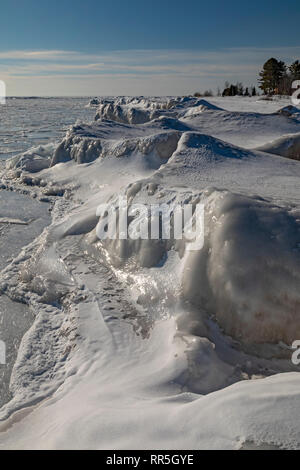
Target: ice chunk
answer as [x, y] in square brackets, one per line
[34, 160]
[248, 273]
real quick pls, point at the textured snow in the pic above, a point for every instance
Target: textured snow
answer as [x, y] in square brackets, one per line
[143, 343]
[286, 146]
[33, 160]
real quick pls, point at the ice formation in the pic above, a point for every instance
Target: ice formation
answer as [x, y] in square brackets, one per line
[33, 160]
[160, 340]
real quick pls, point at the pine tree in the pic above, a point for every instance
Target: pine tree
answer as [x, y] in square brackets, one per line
[285, 84]
[233, 90]
[295, 70]
[240, 89]
[253, 92]
[273, 71]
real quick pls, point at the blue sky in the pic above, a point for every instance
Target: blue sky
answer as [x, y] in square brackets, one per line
[96, 47]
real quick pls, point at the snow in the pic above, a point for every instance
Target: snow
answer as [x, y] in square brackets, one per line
[286, 146]
[253, 295]
[33, 160]
[144, 343]
[17, 230]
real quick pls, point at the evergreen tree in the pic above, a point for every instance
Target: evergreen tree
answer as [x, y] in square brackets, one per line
[285, 85]
[273, 71]
[295, 70]
[253, 92]
[240, 89]
[233, 90]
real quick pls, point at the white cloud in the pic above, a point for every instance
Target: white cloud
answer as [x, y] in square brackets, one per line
[133, 71]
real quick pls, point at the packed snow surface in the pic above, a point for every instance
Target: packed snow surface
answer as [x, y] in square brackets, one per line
[145, 343]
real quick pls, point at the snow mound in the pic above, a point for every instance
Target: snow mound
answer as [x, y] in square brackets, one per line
[286, 146]
[127, 114]
[169, 122]
[84, 145]
[141, 252]
[201, 160]
[199, 107]
[94, 102]
[289, 111]
[252, 293]
[139, 111]
[128, 110]
[246, 129]
[205, 149]
[46, 274]
[240, 128]
[34, 160]
[181, 104]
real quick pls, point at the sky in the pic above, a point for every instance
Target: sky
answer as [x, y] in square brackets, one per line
[154, 47]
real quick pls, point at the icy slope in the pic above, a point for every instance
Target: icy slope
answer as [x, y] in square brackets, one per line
[126, 406]
[87, 143]
[253, 295]
[241, 128]
[286, 146]
[141, 110]
[248, 129]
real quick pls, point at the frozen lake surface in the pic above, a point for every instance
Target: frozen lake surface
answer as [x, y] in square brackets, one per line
[28, 218]
[26, 122]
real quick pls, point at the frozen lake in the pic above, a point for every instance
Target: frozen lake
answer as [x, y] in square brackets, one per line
[16, 318]
[27, 122]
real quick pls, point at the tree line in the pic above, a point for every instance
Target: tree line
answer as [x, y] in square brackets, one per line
[230, 90]
[238, 89]
[275, 78]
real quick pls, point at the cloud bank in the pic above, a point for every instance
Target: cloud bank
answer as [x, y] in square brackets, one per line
[146, 72]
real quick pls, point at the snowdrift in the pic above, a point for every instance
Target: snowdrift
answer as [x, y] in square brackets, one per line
[247, 129]
[290, 111]
[286, 146]
[253, 295]
[32, 161]
[135, 111]
[132, 110]
[85, 145]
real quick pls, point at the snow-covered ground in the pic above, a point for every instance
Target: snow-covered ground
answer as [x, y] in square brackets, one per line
[145, 343]
[26, 122]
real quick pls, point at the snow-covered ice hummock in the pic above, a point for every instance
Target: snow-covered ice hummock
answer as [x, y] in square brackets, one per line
[145, 343]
